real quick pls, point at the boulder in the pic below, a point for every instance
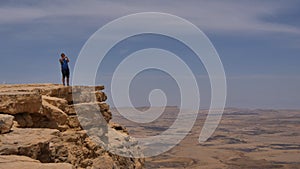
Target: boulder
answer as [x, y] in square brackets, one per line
[6, 122]
[20, 102]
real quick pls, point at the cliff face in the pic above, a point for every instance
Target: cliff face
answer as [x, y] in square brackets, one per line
[39, 127]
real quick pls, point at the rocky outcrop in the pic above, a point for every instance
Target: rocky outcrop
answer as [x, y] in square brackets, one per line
[6, 122]
[49, 105]
[20, 102]
[31, 142]
[54, 113]
[39, 125]
[17, 162]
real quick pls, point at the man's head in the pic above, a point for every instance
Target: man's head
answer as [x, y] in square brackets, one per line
[62, 55]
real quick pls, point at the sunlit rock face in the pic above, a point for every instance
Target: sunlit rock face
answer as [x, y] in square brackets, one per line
[40, 128]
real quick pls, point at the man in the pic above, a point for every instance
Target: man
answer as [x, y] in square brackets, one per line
[64, 60]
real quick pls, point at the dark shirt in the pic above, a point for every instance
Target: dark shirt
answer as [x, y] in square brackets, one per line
[64, 64]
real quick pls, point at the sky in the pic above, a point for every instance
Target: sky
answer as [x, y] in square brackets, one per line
[257, 41]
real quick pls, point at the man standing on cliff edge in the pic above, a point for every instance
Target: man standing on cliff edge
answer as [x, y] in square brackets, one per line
[64, 60]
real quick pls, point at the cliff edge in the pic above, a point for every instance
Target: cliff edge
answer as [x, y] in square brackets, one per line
[39, 128]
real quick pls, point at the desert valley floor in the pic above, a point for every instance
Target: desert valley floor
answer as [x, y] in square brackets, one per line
[244, 139]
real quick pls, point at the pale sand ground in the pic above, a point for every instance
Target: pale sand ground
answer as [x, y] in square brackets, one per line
[244, 139]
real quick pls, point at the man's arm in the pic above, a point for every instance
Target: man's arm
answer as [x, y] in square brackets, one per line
[67, 59]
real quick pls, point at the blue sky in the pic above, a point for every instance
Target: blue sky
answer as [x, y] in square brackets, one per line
[257, 41]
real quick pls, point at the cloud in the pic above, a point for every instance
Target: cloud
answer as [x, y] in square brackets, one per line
[215, 16]
[237, 16]
[264, 77]
[17, 15]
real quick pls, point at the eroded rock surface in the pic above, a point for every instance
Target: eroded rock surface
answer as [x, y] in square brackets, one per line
[31, 142]
[13, 102]
[52, 126]
[17, 162]
[6, 122]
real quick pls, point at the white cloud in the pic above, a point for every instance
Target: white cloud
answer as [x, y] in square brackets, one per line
[16, 15]
[215, 16]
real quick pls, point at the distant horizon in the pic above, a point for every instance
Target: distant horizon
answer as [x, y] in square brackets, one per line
[146, 106]
[257, 42]
[226, 108]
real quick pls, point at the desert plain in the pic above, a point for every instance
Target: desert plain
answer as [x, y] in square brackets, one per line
[244, 138]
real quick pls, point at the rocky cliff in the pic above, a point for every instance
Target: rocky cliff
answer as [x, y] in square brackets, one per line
[39, 128]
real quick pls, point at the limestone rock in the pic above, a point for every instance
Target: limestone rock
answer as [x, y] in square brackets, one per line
[100, 96]
[74, 147]
[74, 136]
[103, 162]
[86, 97]
[121, 143]
[17, 162]
[103, 107]
[91, 114]
[57, 102]
[73, 121]
[24, 120]
[118, 127]
[81, 94]
[69, 110]
[6, 122]
[40, 109]
[54, 113]
[78, 89]
[107, 115]
[33, 143]
[99, 106]
[36, 120]
[20, 102]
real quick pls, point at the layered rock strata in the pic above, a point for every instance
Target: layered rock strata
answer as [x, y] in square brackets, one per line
[39, 127]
